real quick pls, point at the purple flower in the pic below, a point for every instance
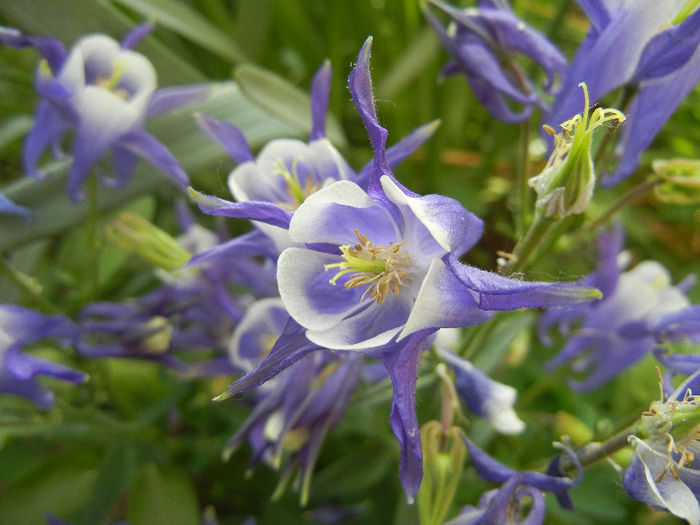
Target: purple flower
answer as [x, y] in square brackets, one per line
[18, 328]
[484, 396]
[630, 44]
[665, 470]
[103, 91]
[294, 411]
[639, 310]
[483, 43]
[271, 187]
[377, 271]
[193, 314]
[504, 506]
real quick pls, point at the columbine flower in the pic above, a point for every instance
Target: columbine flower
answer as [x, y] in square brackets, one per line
[504, 506]
[639, 310]
[18, 370]
[665, 470]
[287, 171]
[565, 186]
[482, 42]
[104, 91]
[631, 44]
[293, 413]
[484, 396]
[377, 271]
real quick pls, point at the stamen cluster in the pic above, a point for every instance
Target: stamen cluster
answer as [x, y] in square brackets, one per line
[296, 191]
[382, 269]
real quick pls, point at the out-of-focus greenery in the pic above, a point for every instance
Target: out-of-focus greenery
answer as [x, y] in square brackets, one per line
[139, 443]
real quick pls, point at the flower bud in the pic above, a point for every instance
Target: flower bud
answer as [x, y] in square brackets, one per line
[443, 460]
[565, 186]
[680, 180]
[133, 233]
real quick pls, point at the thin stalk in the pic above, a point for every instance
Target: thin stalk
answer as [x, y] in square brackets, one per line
[22, 282]
[594, 452]
[523, 212]
[627, 198]
[477, 338]
[539, 230]
[94, 237]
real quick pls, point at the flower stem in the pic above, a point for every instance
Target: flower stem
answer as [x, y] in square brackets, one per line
[30, 289]
[539, 230]
[94, 238]
[627, 198]
[523, 211]
[594, 452]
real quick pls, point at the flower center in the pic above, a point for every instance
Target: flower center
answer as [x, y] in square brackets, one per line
[296, 191]
[110, 83]
[382, 269]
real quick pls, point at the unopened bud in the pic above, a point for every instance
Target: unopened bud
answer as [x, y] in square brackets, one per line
[133, 233]
[565, 186]
[443, 460]
[679, 180]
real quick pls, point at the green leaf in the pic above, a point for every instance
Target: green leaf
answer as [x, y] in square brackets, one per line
[162, 494]
[68, 21]
[185, 21]
[13, 129]
[55, 213]
[112, 478]
[283, 99]
[60, 486]
[419, 53]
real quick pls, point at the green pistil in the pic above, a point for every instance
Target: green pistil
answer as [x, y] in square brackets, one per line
[355, 264]
[292, 180]
[687, 8]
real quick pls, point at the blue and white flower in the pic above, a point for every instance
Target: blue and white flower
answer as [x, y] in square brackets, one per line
[103, 91]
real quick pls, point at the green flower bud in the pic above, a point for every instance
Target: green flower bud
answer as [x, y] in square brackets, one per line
[443, 460]
[565, 186]
[133, 233]
[679, 180]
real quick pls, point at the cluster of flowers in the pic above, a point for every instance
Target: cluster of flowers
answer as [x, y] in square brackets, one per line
[343, 268]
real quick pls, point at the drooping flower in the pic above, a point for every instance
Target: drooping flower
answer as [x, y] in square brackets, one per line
[294, 411]
[18, 370]
[483, 42]
[103, 91]
[652, 50]
[485, 397]
[665, 469]
[377, 271]
[504, 506]
[640, 309]
[271, 187]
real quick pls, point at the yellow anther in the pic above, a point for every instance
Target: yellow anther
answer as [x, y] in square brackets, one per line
[382, 269]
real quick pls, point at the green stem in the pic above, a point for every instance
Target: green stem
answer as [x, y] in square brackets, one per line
[29, 289]
[594, 452]
[627, 198]
[539, 230]
[94, 237]
[521, 218]
[477, 337]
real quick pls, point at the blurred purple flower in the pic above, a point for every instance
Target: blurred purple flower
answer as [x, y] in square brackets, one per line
[7, 207]
[294, 411]
[504, 506]
[18, 328]
[640, 309]
[103, 91]
[485, 397]
[483, 43]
